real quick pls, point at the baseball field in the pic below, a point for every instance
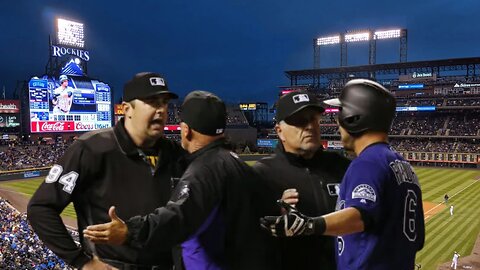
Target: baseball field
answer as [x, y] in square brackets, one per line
[444, 233]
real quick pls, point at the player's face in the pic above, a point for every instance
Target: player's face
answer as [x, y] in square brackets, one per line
[300, 133]
[65, 83]
[150, 115]
[347, 139]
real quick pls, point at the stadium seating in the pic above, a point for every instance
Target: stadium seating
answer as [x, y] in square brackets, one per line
[20, 247]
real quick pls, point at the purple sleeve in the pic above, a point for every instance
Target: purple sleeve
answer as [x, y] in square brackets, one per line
[364, 188]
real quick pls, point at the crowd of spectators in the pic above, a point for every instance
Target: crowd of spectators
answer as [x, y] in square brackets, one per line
[438, 101]
[19, 157]
[173, 114]
[235, 117]
[420, 102]
[467, 124]
[461, 123]
[329, 130]
[463, 102]
[20, 247]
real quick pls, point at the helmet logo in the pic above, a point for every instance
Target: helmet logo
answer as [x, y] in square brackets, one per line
[300, 98]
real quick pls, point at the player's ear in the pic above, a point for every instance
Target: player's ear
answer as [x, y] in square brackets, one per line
[127, 108]
[279, 131]
[187, 131]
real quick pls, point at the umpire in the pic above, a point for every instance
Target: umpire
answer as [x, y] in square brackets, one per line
[130, 165]
[301, 166]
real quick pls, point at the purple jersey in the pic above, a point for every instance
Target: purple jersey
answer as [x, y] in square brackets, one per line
[382, 184]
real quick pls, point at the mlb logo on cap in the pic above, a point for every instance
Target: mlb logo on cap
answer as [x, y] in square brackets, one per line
[157, 81]
[301, 98]
[294, 102]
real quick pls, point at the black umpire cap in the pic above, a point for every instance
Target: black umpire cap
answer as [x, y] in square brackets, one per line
[204, 112]
[294, 102]
[144, 85]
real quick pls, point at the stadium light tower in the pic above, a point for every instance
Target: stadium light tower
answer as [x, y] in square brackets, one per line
[70, 33]
[370, 36]
[67, 53]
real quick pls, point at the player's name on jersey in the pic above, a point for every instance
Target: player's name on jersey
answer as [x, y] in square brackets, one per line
[404, 172]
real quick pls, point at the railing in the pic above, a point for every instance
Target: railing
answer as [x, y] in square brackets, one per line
[23, 174]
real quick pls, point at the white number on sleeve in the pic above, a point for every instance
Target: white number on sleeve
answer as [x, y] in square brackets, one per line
[68, 181]
[54, 173]
[410, 215]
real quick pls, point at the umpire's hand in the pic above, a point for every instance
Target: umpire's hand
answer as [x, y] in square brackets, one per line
[114, 232]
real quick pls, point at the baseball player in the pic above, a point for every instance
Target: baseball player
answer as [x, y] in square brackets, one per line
[62, 96]
[130, 165]
[455, 260]
[451, 210]
[379, 210]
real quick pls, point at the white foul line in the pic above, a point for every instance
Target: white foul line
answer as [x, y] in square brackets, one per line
[474, 181]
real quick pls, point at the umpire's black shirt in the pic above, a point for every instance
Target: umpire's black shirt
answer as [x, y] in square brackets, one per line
[101, 169]
[316, 181]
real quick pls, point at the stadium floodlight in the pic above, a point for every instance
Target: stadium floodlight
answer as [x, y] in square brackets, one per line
[387, 34]
[355, 37]
[70, 33]
[328, 40]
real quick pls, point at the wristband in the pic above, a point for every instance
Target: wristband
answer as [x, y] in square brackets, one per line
[315, 226]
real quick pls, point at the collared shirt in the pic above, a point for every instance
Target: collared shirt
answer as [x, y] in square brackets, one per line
[103, 168]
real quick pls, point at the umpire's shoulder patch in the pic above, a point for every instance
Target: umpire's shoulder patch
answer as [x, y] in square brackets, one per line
[364, 191]
[333, 189]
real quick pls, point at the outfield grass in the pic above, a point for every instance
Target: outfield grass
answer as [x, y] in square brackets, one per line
[444, 234]
[29, 186]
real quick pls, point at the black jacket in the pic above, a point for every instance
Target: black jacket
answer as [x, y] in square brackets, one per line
[316, 181]
[103, 168]
[212, 213]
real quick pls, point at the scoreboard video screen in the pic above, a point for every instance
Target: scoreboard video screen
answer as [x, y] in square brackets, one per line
[80, 105]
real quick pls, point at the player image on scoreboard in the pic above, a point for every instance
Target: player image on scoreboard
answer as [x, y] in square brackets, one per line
[62, 97]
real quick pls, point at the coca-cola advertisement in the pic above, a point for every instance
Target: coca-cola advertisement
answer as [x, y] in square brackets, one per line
[53, 126]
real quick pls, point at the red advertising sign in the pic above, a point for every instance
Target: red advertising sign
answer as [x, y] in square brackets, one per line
[118, 109]
[172, 127]
[84, 126]
[9, 106]
[52, 126]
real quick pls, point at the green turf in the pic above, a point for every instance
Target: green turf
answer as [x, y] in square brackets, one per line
[29, 186]
[444, 234]
[251, 162]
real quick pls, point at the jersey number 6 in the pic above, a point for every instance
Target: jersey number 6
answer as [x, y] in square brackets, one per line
[409, 216]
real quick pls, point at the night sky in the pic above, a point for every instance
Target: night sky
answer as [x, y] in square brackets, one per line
[237, 49]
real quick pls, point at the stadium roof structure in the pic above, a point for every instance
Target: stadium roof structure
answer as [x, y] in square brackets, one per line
[470, 66]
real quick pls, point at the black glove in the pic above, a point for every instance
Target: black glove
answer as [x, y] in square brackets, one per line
[292, 223]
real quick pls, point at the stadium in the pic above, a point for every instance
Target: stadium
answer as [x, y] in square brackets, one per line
[437, 129]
